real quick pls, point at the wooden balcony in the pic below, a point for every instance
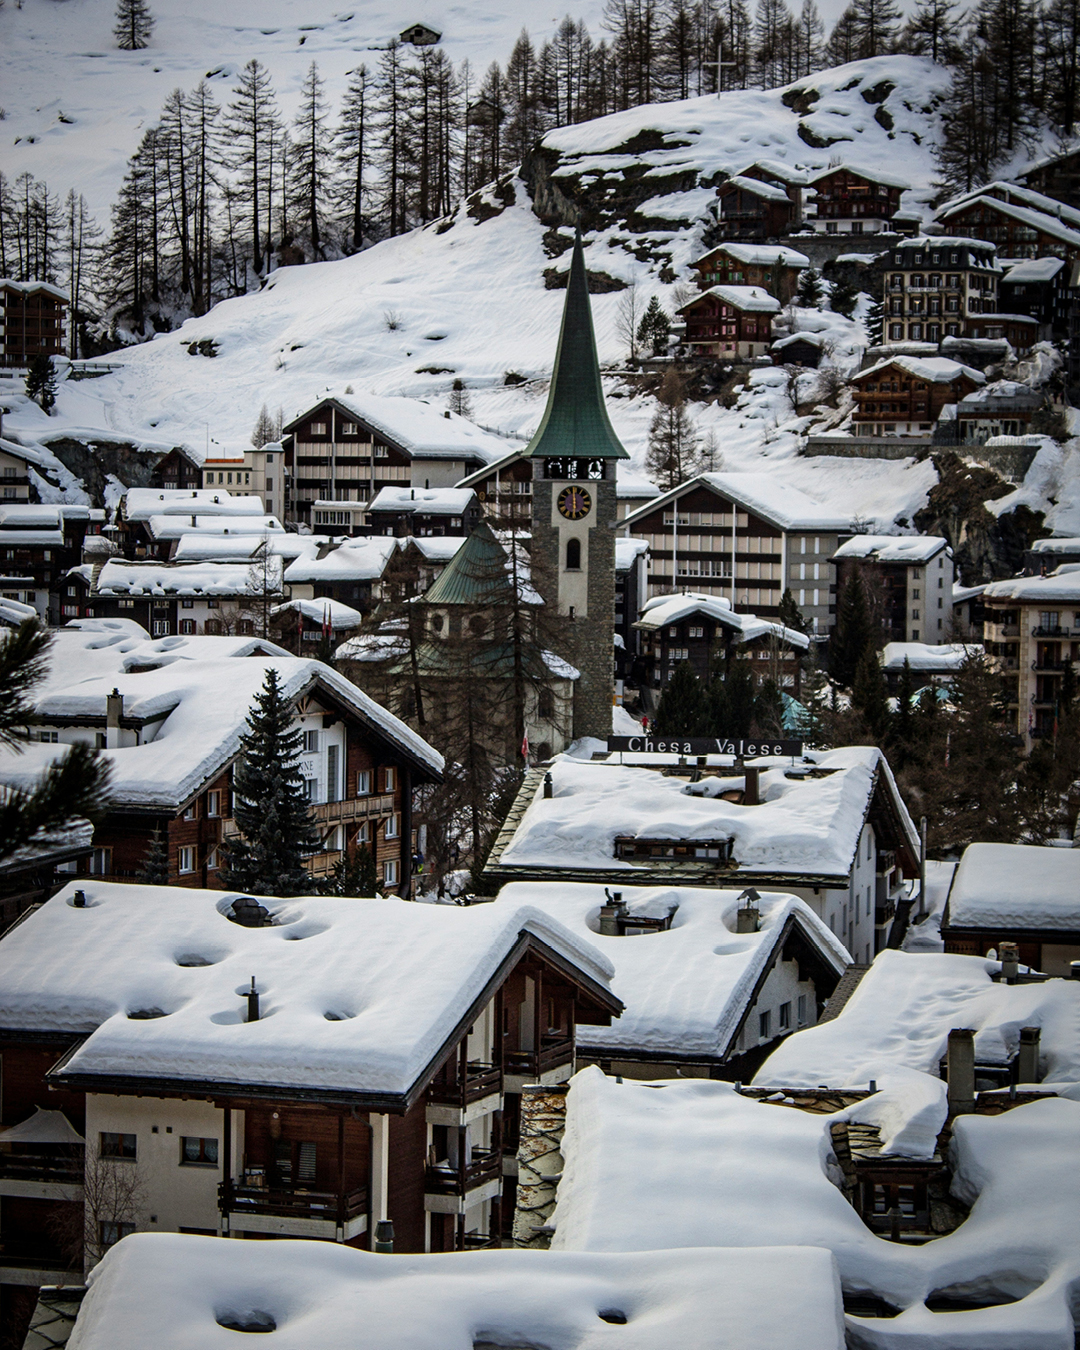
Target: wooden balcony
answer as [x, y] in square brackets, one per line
[46, 1165]
[484, 1167]
[553, 1054]
[355, 808]
[479, 1080]
[297, 1210]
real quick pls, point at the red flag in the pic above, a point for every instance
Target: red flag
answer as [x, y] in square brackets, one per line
[525, 748]
[326, 623]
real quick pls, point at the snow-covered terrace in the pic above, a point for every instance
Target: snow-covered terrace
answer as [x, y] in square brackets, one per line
[357, 996]
[686, 990]
[175, 1292]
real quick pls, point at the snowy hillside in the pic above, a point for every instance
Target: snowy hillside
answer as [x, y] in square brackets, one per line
[77, 107]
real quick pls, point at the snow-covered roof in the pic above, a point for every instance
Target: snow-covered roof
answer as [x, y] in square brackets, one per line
[1016, 886]
[688, 1164]
[787, 173]
[749, 299]
[428, 501]
[755, 185]
[925, 241]
[779, 503]
[437, 548]
[687, 990]
[627, 552]
[43, 1127]
[421, 429]
[1070, 545]
[175, 527]
[1034, 269]
[804, 826]
[373, 647]
[237, 546]
[1061, 587]
[927, 994]
[764, 255]
[118, 577]
[338, 616]
[34, 288]
[1010, 192]
[169, 1291]
[1025, 215]
[142, 503]
[36, 515]
[665, 609]
[930, 369]
[924, 657]
[1002, 389]
[871, 175]
[893, 548]
[358, 995]
[362, 559]
[180, 684]
[32, 538]
[813, 339]
[14, 612]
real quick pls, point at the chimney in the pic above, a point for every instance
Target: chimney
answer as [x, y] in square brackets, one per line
[747, 919]
[114, 710]
[1074, 970]
[252, 1002]
[384, 1237]
[611, 913]
[750, 794]
[79, 899]
[549, 787]
[1027, 1059]
[961, 1070]
[1009, 954]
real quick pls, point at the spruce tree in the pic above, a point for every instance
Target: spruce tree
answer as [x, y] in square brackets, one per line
[790, 615]
[843, 298]
[853, 633]
[354, 873]
[74, 785]
[269, 803]
[869, 698]
[769, 709]
[904, 726]
[134, 24]
[155, 869]
[875, 324]
[41, 381]
[654, 328]
[731, 705]
[810, 291]
[681, 711]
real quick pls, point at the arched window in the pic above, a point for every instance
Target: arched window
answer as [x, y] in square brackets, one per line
[573, 555]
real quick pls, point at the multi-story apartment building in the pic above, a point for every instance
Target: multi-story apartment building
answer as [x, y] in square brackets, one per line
[38, 544]
[738, 536]
[934, 284]
[909, 580]
[261, 472]
[32, 321]
[349, 447]
[1032, 633]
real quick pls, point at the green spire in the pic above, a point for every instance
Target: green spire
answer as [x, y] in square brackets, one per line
[575, 422]
[476, 575]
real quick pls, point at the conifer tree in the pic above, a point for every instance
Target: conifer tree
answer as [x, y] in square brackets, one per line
[155, 869]
[459, 401]
[731, 704]
[41, 381]
[267, 428]
[810, 291]
[134, 24]
[311, 155]
[355, 873]
[681, 711]
[790, 615]
[654, 327]
[843, 298]
[853, 633]
[869, 698]
[875, 27]
[269, 802]
[250, 125]
[673, 453]
[933, 30]
[354, 153]
[875, 324]
[769, 709]
[74, 785]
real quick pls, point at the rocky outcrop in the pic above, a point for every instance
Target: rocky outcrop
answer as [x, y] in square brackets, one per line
[95, 462]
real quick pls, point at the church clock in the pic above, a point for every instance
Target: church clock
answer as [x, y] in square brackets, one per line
[574, 503]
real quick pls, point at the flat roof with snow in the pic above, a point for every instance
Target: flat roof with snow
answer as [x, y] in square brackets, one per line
[118, 577]
[893, 548]
[141, 503]
[358, 996]
[922, 656]
[426, 501]
[1005, 886]
[173, 1292]
[363, 559]
[1061, 587]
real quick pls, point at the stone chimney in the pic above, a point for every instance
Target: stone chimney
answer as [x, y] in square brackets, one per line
[1009, 955]
[611, 913]
[751, 796]
[747, 919]
[114, 710]
[961, 1069]
[1027, 1059]
[540, 1162]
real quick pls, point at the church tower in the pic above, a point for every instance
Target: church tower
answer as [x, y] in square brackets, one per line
[574, 454]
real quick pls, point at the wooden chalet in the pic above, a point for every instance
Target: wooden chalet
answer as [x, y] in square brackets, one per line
[905, 395]
[751, 209]
[855, 201]
[38, 546]
[33, 315]
[730, 322]
[775, 269]
[1056, 176]
[369, 1096]
[1018, 221]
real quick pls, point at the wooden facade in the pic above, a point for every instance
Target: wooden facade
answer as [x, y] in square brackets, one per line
[705, 643]
[725, 325]
[853, 202]
[753, 210]
[33, 315]
[1015, 230]
[892, 399]
[723, 267]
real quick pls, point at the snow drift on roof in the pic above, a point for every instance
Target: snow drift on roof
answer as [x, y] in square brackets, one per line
[750, 299]
[428, 501]
[1061, 587]
[353, 560]
[1016, 886]
[893, 548]
[764, 255]
[118, 577]
[931, 369]
[417, 426]
[142, 503]
[667, 609]
[924, 656]
[357, 995]
[339, 616]
[767, 191]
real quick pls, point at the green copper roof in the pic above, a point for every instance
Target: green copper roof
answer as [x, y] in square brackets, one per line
[478, 574]
[575, 420]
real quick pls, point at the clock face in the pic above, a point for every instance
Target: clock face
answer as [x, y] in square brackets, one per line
[574, 503]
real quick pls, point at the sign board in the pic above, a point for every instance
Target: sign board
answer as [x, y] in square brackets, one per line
[701, 745]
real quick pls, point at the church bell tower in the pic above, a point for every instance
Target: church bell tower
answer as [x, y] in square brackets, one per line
[574, 454]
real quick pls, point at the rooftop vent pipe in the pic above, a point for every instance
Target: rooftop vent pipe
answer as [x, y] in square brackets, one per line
[611, 913]
[252, 1002]
[79, 899]
[1009, 954]
[1027, 1059]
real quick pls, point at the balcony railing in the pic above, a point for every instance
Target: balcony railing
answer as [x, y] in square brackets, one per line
[1054, 630]
[553, 1054]
[292, 1203]
[66, 1168]
[355, 808]
[28, 1253]
[443, 1179]
[480, 1080]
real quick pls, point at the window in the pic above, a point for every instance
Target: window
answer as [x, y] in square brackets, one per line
[161, 627]
[785, 1016]
[801, 1009]
[212, 860]
[213, 803]
[192, 812]
[305, 1162]
[391, 830]
[187, 604]
[389, 779]
[331, 773]
[695, 630]
[363, 782]
[573, 555]
[318, 428]
[118, 1145]
[196, 1152]
[915, 593]
[111, 1233]
[311, 742]
[187, 626]
[545, 703]
[764, 1024]
[311, 789]
[186, 858]
[347, 429]
[101, 862]
[49, 737]
[390, 872]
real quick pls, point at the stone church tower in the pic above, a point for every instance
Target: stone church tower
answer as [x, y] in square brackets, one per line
[574, 454]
